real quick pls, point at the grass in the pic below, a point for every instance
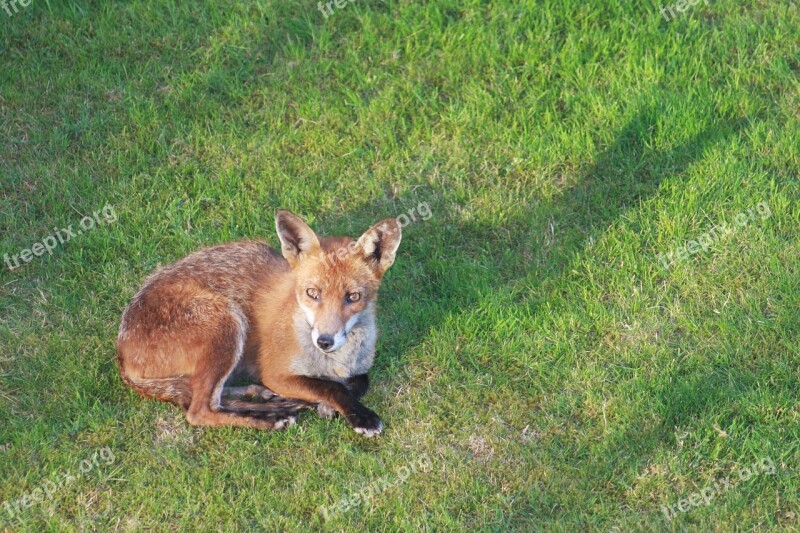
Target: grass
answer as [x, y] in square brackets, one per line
[533, 348]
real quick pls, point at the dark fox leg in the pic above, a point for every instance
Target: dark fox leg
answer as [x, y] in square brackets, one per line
[358, 385]
[253, 399]
[334, 394]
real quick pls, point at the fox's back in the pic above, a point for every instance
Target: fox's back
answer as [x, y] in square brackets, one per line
[234, 269]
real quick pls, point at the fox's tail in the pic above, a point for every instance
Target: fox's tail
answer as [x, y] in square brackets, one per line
[177, 390]
[276, 406]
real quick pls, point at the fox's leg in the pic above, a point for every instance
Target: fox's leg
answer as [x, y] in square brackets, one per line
[357, 385]
[222, 353]
[333, 393]
[202, 412]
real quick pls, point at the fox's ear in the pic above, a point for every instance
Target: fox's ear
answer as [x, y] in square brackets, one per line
[297, 239]
[380, 243]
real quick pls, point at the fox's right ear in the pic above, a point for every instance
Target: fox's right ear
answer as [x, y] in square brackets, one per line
[297, 239]
[380, 244]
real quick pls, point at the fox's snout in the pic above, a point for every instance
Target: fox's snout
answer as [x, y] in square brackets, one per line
[328, 333]
[325, 342]
[329, 342]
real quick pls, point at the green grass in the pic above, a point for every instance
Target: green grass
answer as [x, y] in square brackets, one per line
[556, 375]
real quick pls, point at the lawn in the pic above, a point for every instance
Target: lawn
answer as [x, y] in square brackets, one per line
[596, 329]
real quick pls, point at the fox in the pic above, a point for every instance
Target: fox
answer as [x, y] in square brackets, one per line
[299, 326]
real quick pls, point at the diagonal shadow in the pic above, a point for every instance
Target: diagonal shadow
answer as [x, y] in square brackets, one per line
[624, 175]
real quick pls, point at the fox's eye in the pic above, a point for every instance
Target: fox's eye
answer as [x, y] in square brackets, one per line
[353, 297]
[313, 294]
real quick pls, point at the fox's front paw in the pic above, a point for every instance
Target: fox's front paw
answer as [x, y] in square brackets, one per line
[366, 422]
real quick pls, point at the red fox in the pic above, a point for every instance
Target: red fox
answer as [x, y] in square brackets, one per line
[301, 327]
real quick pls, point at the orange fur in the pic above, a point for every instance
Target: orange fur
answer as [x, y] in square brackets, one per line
[301, 325]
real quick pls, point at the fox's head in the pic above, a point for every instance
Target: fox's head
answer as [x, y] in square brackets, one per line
[336, 279]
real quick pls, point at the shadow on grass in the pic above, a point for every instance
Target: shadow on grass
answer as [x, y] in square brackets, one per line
[625, 174]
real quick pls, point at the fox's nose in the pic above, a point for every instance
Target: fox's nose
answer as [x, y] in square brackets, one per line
[325, 341]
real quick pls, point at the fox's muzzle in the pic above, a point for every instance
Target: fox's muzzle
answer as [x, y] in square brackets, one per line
[330, 342]
[325, 342]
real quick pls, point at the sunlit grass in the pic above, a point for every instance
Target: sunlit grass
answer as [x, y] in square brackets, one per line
[533, 346]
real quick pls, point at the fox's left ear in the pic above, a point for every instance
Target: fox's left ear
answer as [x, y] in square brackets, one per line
[297, 239]
[380, 243]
